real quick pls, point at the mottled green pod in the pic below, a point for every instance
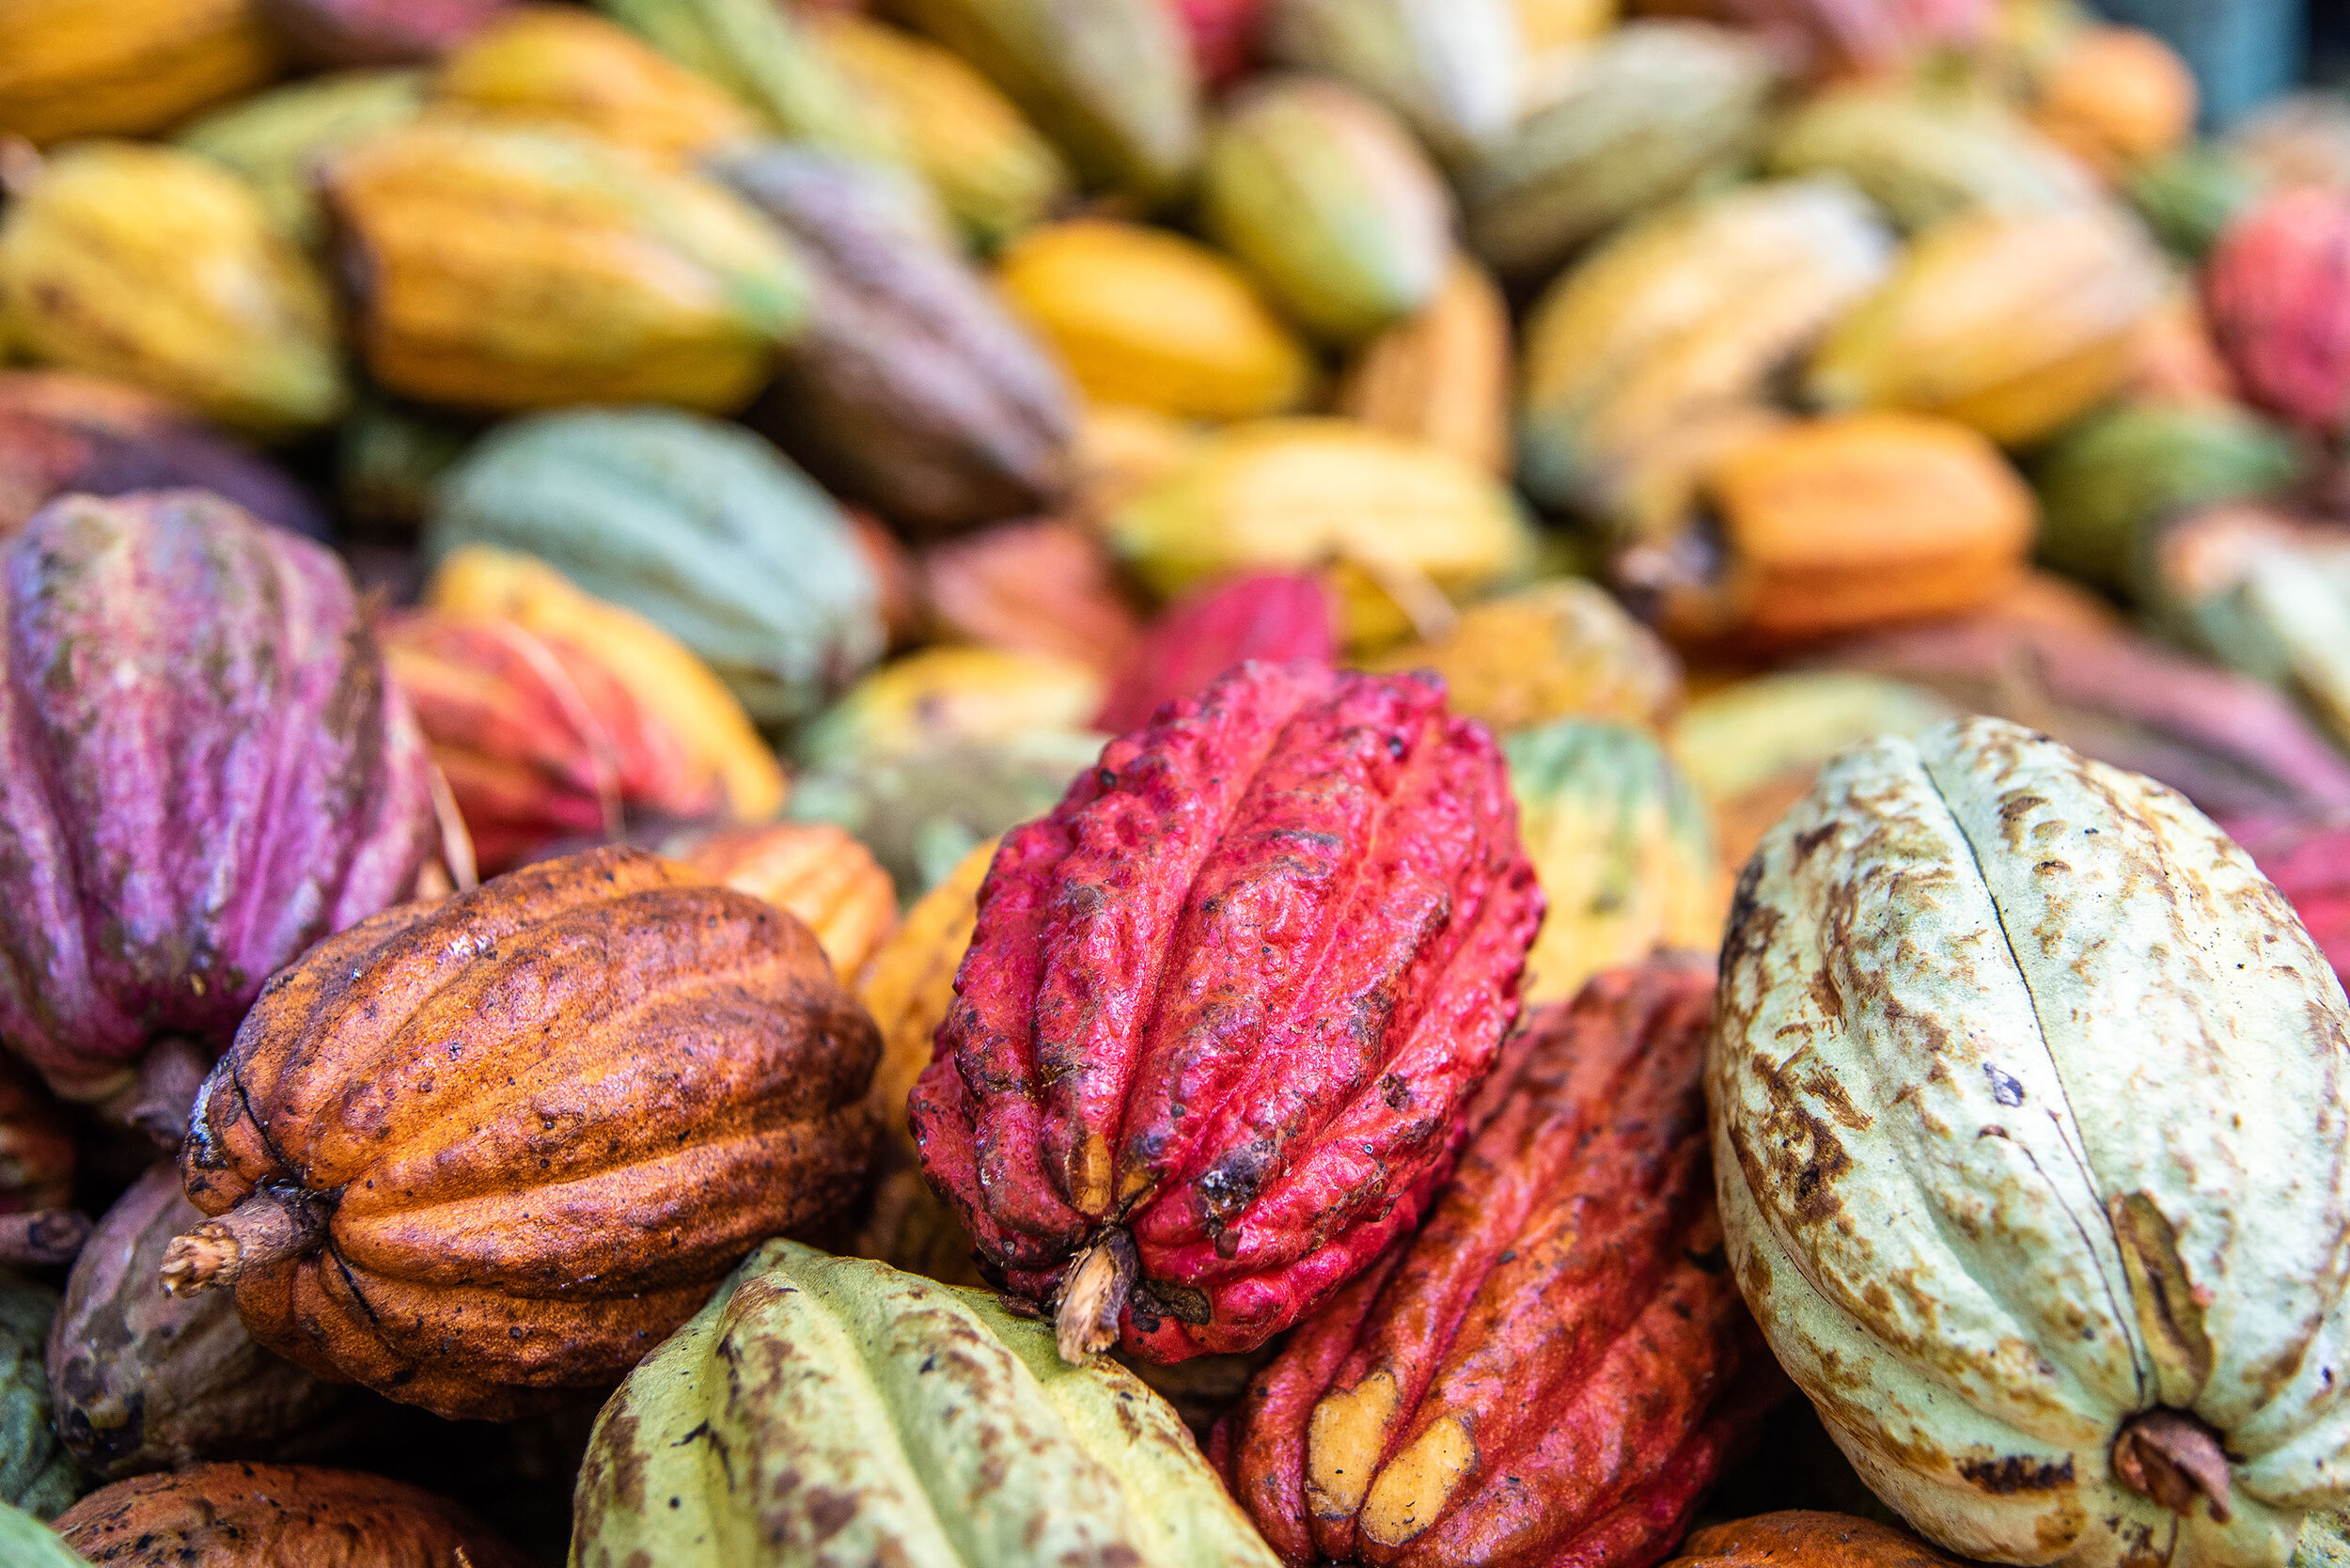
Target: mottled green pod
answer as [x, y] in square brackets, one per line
[37, 1474]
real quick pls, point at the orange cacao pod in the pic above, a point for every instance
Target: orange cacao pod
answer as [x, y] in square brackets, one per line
[1803, 1536]
[2116, 97]
[476, 1154]
[1039, 588]
[1217, 1035]
[1556, 1367]
[259, 1515]
[813, 871]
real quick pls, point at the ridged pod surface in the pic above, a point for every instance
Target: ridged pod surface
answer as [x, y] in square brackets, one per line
[1214, 1039]
[812, 871]
[834, 1410]
[479, 1154]
[1556, 1367]
[2012, 1048]
[206, 770]
[1273, 616]
[2278, 289]
[2310, 863]
[1559, 650]
[910, 984]
[1801, 1535]
[125, 67]
[251, 1515]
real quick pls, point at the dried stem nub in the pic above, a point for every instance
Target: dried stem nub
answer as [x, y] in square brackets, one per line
[1093, 1297]
[2173, 1458]
[272, 1225]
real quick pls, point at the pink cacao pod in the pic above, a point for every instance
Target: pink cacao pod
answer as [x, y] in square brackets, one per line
[204, 769]
[2277, 293]
[1274, 615]
[1215, 1040]
[1224, 36]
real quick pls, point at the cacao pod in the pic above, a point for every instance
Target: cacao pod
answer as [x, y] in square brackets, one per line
[1841, 523]
[1402, 523]
[2190, 196]
[37, 1474]
[2015, 323]
[1754, 748]
[346, 32]
[1110, 81]
[1622, 845]
[260, 1515]
[769, 58]
[144, 1381]
[2296, 140]
[2117, 97]
[1842, 37]
[2307, 861]
[1034, 587]
[177, 838]
[63, 432]
[911, 388]
[1644, 115]
[908, 1227]
[1800, 1535]
[1145, 316]
[157, 267]
[124, 67]
[536, 735]
[2278, 289]
[1448, 67]
[1330, 202]
[1273, 616]
[2323, 1541]
[811, 870]
[2046, 1142]
[1556, 1367]
[991, 168]
[566, 68]
[660, 675]
[1558, 649]
[2176, 361]
[910, 984]
[2230, 745]
[2117, 473]
[1224, 36]
[704, 529]
[30, 1544]
[37, 1171]
[654, 1074]
[1228, 1208]
[897, 578]
[1925, 156]
[512, 268]
[1441, 376]
[1693, 310]
[896, 1420]
[1123, 451]
[276, 141]
[953, 695]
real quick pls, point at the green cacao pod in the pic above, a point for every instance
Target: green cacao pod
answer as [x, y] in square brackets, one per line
[2117, 471]
[26, 1543]
[768, 58]
[2190, 195]
[891, 1420]
[37, 1474]
[275, 141]
[1448, 67]
[702, 528]
[1922, 156]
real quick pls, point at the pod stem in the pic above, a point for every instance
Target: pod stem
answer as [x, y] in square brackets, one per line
[161, 1091]
[272, 1225]
[2172, 1458]
[1093, 1297]
[43, 1238]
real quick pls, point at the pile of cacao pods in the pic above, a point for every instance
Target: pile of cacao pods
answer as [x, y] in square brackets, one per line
[1161, 783]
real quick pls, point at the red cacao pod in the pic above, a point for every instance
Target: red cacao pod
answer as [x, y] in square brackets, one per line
[537, 736]
[237, 1515]
[341, 33]
[1215, 1037]
[1274, 615]
[204, 770]
[2277, 292]
[476, 1153]
[2310, 863]
[1225, 36]
[61, 432]
[1556, 1367]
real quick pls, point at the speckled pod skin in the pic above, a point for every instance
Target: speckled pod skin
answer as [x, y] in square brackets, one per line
[260, 1515]
[2028, 1099]
[204, 770]
[2276, 291]
[1228, 1004]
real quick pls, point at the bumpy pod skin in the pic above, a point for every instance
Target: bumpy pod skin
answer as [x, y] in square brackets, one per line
[1814, 1539]
[1556, 1367]
[535, 1124]
[2028, 1099]
[204, 769]
[1231, 1000]
[813, 870]
[245, 1515]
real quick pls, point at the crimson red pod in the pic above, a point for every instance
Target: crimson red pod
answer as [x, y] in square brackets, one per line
[1274, 615]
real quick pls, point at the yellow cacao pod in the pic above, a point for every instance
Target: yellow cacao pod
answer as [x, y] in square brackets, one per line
[1558, 649]
[824, 878]
[569, 67]
[275, 140]
[1145, 316]
[1398, 520]
[510, 269]
[1123, 450]
[991, 168]
[124, 67]
[2015, 323]
[910, 983]
[1443, 375]
[1923, 156]
[767, 56]
[158, 267]
[950, 695]
[660, 672]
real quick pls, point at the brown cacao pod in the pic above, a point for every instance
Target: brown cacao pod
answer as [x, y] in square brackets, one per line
[1041, 588]
[144, 1381]
[1558, 1366]
[1812, 1539]
[344, 33]
[240, 1515]
[911, 388]
[1274, 615]
[812, 871]
[655, 1074]
[206, 770]
[1317, 877]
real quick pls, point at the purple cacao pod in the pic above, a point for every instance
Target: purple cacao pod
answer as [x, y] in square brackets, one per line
[204, 769]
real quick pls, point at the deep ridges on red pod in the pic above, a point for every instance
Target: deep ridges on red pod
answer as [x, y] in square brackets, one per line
[2277, 293]
[1217, 1035]
[1274, 615]
[1558, 1366]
